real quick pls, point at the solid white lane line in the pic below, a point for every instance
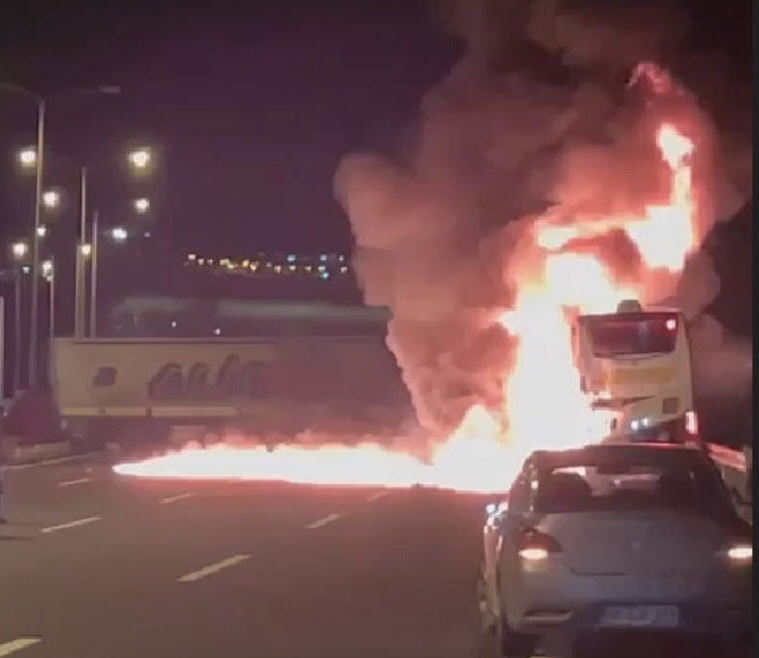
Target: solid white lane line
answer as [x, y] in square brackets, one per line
[174, 499]
[71, 524]
[213, 568]
[7, 648]
[377, 496]
[68, 483]
[322, 522]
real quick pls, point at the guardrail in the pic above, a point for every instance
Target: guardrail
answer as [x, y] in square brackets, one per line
[735, 459]
[736, 468]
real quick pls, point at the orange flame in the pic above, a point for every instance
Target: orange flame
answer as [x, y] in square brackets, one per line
[543, 404]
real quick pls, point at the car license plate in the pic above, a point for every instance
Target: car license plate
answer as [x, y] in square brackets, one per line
[641, 616]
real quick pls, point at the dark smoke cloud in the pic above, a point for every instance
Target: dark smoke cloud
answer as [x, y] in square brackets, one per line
[535, 115]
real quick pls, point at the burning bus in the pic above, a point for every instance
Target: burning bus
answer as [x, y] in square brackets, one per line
[636, 364]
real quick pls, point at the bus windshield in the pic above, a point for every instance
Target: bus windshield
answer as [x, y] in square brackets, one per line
[621, 335]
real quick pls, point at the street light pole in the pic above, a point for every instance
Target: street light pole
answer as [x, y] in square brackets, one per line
[48, 268]
[39, 159]
[34, 315]
[50, 278]
[94, 274]
[79, 292]
[18, 271]
[35, 255]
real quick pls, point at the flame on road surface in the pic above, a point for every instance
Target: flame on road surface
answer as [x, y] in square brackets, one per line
[472, 460]
[543, 405]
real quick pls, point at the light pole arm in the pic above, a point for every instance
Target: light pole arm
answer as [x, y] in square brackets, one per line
[21, 91]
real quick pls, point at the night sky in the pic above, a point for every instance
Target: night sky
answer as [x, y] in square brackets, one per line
[252, 107]
[251, 104]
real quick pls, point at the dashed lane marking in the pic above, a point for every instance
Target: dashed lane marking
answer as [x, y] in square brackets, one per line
[7, 648]
[70, 483]
[213, 568]
[376, 496]
[323, 521]
[174, 499]
[71, 524]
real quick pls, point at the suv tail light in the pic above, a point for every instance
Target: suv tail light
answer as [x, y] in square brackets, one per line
[536, 546]
[738, 553]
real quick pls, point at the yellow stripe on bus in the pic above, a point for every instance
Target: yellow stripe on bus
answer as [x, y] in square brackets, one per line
[632, 376]
[124, 411]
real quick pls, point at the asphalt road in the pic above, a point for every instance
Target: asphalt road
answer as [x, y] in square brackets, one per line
[94, 565]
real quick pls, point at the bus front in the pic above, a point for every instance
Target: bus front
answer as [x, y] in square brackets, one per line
[637, 365]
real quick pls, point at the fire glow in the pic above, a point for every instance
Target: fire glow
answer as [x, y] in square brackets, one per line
[543, 405]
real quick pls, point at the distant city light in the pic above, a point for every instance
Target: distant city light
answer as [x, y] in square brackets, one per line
[142, 205]
[174, 324]
[119, 234]
[26, 269]
[217, 331]
[27, 157]
[288, 264]
[51, 199]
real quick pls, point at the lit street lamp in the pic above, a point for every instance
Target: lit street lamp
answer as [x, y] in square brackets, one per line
[85, 249]
[141, 206]
[51, 199]
[19, 250]
[140, 158]
[27, 157]
[41, 231]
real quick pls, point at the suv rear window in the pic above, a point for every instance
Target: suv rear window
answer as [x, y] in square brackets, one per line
[692, 488]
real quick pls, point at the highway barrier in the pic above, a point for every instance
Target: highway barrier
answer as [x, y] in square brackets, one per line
[736, 467]
[29, 454]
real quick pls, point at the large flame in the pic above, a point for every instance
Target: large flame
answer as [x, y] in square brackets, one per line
[543, 404]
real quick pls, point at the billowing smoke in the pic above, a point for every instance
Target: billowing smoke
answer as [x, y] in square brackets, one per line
[536, 122]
